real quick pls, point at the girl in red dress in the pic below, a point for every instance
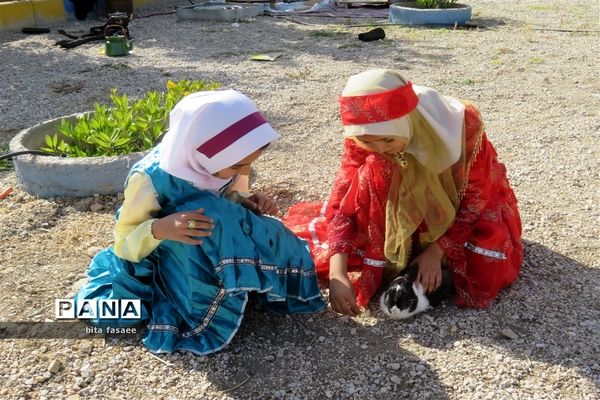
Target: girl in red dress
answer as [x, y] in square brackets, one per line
[419, 183]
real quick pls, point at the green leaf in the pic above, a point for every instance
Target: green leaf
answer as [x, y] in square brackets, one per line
[124, 127]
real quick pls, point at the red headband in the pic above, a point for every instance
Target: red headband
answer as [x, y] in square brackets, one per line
[378, 107]
[231, 134]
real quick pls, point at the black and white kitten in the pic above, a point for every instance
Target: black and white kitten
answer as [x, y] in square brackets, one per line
[405, 297]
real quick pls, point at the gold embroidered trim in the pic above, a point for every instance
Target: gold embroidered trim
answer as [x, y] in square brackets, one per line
[475, 152]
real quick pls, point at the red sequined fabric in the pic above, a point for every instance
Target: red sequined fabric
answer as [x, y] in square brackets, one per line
[483, 247]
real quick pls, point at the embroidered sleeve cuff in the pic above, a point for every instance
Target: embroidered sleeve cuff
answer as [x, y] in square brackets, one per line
[138, 244]
[450, 248]
[344, 246]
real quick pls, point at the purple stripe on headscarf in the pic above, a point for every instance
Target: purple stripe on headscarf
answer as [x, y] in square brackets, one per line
[231, 134]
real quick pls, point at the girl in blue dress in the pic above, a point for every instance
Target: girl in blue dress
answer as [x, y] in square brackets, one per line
[189, 245]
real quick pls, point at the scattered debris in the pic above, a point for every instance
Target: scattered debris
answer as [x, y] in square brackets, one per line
[161, 360]
[66, 87]
[266, 56]
[214, 11]
[5, 193]
[372, 35]
[35, 31]
[117, 24]
[238, 385]
[358, 3]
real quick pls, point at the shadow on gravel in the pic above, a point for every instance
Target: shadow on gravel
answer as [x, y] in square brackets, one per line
[489, 23]
[319, 357]
[66, 72]
[554, 309]
[330, 42]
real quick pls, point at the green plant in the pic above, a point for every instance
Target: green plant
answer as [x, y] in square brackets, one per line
[301, 74]
[435, 3]
[334, 34]
[496, 60]
[467, 81]
[349, 45]
[123, 128]
[541, 8]
[5, 165]
[536, 60]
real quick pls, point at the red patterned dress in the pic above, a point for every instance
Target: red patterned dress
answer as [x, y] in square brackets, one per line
[482, 248]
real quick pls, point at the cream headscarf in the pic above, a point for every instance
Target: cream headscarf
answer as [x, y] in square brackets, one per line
[210, 131]
[444, 114]
[426, 190]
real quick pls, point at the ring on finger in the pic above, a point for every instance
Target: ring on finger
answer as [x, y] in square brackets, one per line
[191, 224]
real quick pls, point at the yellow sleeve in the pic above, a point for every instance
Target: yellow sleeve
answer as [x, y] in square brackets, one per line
[133, 231]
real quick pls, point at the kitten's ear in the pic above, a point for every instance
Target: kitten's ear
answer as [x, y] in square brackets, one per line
[418, 288]
[391, 295]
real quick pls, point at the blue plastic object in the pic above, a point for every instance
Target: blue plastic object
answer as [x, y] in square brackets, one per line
[406, 13]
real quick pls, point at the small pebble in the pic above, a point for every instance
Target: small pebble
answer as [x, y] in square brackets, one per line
[93, 250]
[86, 347]
[86, 372]
[96, 207]
[54, 366]
[83, 204]
[508, 333]
[394, 366]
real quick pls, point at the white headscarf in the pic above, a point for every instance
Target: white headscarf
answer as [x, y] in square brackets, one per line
[444, 114]
[210, 131]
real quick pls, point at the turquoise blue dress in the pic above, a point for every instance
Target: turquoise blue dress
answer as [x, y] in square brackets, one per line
[193, 296]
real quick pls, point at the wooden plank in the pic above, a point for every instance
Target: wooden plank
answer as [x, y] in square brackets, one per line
[248, 1]
[356, 3]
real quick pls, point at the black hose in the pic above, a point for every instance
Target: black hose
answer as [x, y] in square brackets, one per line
[159, 138]
[32, 152]
[44, 153]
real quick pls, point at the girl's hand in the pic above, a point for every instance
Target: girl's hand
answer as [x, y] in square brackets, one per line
[183, 227]
[261, 204]
[430, 268]
[342, 296]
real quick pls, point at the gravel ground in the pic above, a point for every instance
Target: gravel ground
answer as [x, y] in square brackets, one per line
[533, 70]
